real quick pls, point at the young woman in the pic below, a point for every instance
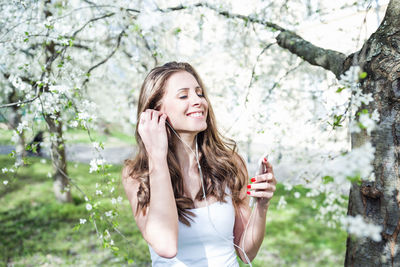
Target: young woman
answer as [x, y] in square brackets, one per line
[187, 186]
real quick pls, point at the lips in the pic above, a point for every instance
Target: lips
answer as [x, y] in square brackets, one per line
[200, 111]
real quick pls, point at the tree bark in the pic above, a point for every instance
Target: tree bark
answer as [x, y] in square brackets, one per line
[61, 183]
[379, 201]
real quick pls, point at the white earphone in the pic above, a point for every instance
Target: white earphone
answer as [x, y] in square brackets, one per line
[204, 195]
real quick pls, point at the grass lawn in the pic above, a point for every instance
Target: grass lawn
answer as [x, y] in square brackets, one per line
[36, 230]
[79, 136]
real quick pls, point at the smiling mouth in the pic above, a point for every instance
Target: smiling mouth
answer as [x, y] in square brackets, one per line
[196, 114]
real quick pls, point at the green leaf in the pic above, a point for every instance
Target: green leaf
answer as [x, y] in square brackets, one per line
[12, 154]
[177, 31]
[340, 89]
[327, 179]
[354, 179]
[363, 75]
[337, 121]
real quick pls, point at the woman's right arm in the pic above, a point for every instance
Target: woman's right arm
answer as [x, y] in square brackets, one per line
[159, 223]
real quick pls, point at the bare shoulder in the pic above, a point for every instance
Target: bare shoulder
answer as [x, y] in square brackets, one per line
[131, 186]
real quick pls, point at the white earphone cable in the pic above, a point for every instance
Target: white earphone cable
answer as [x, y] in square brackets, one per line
[205, 198]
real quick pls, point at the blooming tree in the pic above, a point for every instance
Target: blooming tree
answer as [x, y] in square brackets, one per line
[78, 63]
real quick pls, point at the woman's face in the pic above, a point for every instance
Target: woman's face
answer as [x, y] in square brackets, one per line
[184, 103]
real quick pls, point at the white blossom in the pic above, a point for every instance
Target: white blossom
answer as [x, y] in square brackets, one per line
[95, 163]
[107, 233]
[297, 194]
[282, 202]
[360, 228]
[74, 124]
[96, 145]
[367, 122]
[375, 115]
[82, 221]
[108, 213]
[88, 206]
[15, 137]
[5, 182]
[99, 192]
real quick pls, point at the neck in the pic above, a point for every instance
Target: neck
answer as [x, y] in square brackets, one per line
[186, 157]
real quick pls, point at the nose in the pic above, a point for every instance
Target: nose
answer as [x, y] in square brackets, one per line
[195, 100]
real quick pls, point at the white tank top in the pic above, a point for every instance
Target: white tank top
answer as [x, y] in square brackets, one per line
[199, 244]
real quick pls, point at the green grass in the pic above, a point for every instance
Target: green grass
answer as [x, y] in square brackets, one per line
[79, 136]
[37, 230]
[5, 137]
[115, 138]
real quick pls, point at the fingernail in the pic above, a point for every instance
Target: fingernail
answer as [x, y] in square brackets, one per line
[249, 186]
[265, 159]
[253, 179]
[248, 192]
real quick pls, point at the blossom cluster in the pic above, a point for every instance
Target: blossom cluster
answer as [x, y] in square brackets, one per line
[360, 228]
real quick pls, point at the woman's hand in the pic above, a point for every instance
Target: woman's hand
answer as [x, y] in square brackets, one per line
[153, 133]
[263, 186]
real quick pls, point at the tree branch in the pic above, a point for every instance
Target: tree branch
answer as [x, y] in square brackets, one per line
[27, 80]
[326, 58]
[106, 59]
[226, 14]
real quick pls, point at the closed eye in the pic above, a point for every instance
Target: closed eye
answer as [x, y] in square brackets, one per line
[185, 96]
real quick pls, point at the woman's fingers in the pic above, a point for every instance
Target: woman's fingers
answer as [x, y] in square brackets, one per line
[266, 177]
[261, 194]
[163, 117]
[263, 186]
[151, 116]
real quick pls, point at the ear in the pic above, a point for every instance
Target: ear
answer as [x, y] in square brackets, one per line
[161, 108]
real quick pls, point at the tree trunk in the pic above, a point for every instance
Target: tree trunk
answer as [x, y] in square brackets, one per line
[379, 201]
[61, 183]
[14, 119]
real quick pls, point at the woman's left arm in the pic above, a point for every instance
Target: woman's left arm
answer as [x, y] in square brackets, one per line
[262, 188]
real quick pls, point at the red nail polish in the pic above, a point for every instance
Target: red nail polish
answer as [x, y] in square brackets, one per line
[248, 192]
[253, 179]
[265, 159]
[249, 186]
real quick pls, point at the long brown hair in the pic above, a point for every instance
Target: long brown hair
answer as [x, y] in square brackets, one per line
[221, 164]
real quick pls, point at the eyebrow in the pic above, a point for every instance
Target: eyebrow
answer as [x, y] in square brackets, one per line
[197, 87]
